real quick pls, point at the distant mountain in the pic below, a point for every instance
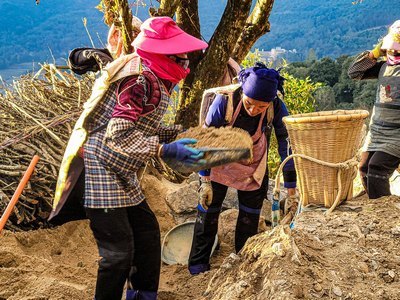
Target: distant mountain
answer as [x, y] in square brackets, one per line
[50, 30]
[36, 33]
[331, 28]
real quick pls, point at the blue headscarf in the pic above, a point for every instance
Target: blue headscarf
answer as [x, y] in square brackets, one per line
[261, 83]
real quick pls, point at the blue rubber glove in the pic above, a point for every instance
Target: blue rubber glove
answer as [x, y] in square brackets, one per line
[179, 151]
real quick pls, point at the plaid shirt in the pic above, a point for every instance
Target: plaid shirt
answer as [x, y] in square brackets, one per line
[112, 156]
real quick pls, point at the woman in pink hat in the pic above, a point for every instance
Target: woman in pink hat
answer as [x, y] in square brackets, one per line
[81, 61]
[381, 151]
[124, 132]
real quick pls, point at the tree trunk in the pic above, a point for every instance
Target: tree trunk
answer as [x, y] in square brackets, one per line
[256, 26]
[119, 13]
[236, 33]
[187, 18]
[126, 25]
[167, 8]
[210, 69]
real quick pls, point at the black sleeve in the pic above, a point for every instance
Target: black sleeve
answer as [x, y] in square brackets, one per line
[82, 60]
[373, 72]
[364, 67]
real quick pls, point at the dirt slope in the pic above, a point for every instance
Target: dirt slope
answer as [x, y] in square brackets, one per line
[348, 255]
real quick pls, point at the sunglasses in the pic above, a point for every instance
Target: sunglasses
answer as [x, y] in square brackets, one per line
[184, 62]
[178, 59]
[393, 52]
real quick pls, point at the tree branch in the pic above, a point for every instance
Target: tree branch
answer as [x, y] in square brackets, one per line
[167, 8]
[257, 25]
[187, 18]
[126, 27]
[119, 13]
[210, 69]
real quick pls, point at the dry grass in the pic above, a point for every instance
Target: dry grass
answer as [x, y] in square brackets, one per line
[38, 113]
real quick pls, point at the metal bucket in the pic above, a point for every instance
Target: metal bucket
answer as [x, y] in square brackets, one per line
[178, 242]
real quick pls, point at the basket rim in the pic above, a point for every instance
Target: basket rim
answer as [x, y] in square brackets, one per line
[341, 115]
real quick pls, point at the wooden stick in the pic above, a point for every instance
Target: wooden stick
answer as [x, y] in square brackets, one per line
[18, 192]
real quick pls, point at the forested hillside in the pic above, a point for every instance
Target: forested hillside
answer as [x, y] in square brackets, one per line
[331, 28]
[33, 33]
[338, 91]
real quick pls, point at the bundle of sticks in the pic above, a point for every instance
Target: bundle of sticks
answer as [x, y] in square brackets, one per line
[37, 112]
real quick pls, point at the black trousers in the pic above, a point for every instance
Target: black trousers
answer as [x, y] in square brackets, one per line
[129, 245]
[378, 168]
[206, 227]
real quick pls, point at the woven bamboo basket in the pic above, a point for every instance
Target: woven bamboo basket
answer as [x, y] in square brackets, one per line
[332, 137]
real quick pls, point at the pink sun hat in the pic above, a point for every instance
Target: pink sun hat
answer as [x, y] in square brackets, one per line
[161, 35]
[392, 40]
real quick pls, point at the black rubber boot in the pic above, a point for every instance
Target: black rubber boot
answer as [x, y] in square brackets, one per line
[205, 230]
[246, 226]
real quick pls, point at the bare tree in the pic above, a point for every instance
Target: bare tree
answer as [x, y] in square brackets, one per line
[239, 28]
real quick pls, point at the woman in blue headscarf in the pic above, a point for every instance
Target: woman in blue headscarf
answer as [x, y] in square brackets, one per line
[257, 108]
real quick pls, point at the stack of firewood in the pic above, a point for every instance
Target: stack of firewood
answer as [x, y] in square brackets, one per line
[37, 112]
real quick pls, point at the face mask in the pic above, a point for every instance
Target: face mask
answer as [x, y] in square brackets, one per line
[392, 60]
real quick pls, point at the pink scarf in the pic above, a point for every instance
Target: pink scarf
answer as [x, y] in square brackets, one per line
[163, 67]
[392, 60]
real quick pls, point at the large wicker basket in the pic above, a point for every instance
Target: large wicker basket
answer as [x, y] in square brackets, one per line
[332, 137]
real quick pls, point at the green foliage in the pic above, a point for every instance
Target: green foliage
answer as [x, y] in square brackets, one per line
[169, 117]
[330, 28]
[325, 70]
[251, 58]
[312, 56]
[364, 94]
[301, 72]
[325, 98]
[299, 98]
[299, 94]
[338, 91]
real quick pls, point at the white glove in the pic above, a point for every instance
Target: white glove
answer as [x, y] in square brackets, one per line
[205, 192]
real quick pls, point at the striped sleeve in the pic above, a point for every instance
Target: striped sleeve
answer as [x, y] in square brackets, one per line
[167, 134]
[364, 67]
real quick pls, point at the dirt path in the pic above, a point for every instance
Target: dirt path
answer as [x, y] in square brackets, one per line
[351, 254]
